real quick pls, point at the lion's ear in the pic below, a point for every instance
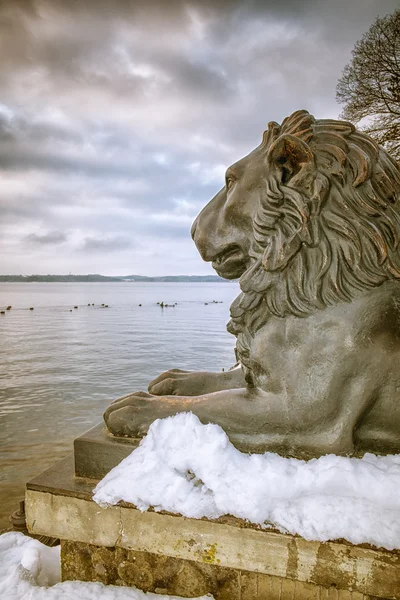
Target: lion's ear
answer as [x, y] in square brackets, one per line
[292, 162]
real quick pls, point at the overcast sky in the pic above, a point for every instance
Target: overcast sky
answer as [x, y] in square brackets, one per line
[118, 118]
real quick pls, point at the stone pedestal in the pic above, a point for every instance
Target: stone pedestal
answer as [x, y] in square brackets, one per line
[96, 452]
[170, 554]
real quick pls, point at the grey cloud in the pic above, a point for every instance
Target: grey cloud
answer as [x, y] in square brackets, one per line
[13, 158]
[13, 212]
[105, 244]
[47, 239]
[196, 78]
[18, 127]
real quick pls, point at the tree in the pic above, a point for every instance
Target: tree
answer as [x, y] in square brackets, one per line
[370, 84]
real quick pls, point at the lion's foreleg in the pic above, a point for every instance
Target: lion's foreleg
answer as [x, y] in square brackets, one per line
[196, 383]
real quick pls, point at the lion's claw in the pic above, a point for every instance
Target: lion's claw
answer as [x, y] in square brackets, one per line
[132, 415]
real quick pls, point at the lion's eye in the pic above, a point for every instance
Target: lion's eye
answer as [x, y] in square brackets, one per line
[229, 181]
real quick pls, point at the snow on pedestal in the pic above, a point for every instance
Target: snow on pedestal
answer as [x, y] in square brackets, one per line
[185, 467]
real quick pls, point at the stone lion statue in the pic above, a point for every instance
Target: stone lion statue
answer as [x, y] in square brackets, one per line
[310, 223]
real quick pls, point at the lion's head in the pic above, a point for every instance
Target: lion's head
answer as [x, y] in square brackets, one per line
[308, 219]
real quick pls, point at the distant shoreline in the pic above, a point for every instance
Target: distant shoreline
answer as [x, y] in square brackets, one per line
[117, 279]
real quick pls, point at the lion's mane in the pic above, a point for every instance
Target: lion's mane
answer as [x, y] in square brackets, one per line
[316, 249]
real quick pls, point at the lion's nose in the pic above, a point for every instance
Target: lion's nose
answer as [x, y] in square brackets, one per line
[200, 237]
[203, 243]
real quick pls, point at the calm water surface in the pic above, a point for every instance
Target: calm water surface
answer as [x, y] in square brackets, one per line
[59, 370]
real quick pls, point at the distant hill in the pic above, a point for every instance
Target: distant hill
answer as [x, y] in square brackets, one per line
[51, 278]
[176, 278]
[99, 278]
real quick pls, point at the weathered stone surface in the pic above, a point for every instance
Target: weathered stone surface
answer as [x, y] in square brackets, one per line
[206, 551]
[158, 574]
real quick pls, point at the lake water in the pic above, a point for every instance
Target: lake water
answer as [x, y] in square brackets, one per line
[59, 370]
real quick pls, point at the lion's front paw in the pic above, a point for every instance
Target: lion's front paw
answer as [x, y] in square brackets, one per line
[183, 383]
[170, 383]
[132, 415]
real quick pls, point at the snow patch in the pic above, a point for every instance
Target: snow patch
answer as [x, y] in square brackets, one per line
[185, 467]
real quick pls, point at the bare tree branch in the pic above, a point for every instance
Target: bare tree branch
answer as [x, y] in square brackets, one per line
[370, 84]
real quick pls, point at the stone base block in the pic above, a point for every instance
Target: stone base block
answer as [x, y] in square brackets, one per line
[227, 557]
[165, 575]
[96, 452]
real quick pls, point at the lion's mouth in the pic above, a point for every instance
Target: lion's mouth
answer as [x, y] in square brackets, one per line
[230, 263]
